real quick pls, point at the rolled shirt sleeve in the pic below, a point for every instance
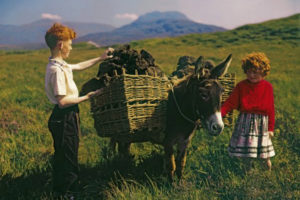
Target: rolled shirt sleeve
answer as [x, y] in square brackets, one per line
[58, 82]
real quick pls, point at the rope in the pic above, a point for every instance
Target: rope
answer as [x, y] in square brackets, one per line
[197, 122]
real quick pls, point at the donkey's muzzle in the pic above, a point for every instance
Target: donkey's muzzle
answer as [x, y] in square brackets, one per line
[215, 124]
[216, 128]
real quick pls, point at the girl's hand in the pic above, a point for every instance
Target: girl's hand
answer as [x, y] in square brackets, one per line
[107, 54]
[271, 134]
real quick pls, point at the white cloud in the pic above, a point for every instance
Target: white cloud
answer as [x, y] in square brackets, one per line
[130, 16]
[51, 16]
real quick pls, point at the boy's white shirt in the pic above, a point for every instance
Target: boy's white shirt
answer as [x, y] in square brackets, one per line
[59, 80]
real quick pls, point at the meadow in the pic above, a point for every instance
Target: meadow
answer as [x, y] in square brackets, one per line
[26, 148]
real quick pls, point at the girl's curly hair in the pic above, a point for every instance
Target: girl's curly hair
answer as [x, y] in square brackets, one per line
[257, 61]
[58, 32]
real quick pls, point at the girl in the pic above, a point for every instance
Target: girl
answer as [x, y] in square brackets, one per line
[253, 97]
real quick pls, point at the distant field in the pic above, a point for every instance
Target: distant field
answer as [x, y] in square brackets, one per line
[26, 144]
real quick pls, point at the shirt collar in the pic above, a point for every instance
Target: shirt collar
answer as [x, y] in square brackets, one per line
[55, 61]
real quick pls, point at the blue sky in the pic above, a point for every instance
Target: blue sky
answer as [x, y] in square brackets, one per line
[225, 13]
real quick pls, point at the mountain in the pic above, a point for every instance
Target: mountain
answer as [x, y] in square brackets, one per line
[32, 35]
[156, 15]
[151, 25]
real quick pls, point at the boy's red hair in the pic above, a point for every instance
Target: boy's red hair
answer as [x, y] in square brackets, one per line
[257, 61]
[58, 32]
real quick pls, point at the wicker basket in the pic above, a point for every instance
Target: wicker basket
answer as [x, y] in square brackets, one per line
[133, 104]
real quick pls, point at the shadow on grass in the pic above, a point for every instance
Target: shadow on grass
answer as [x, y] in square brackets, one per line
[25, 187]
[94, 181]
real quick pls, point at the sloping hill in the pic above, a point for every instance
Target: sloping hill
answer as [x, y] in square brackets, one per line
[151, 25]
[272, 31]
[285, 28]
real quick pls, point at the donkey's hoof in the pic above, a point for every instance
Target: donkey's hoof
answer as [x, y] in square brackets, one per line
[179, 174]
[127, 156]
[171, 177]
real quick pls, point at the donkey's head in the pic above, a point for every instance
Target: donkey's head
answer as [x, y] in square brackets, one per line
[207, 92]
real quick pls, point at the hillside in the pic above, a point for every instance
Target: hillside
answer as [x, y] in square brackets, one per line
[26, 147]
[151, 25]
[273, 31]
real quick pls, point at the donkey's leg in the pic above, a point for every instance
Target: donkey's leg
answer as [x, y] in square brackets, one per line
[112, 145]
[124, 149]
[181, 157]
[170, 160]
[182, 145]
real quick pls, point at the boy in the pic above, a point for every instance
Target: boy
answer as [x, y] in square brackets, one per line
[62, 91]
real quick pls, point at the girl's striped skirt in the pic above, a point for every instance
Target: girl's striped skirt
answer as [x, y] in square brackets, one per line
[250, 137]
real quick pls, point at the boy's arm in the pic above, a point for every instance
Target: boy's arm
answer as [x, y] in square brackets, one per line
[88, 63]
[65, 101]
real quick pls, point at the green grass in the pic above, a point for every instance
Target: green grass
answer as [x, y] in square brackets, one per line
[26, 144]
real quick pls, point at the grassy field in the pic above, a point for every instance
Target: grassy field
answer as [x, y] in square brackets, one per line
[26, 144]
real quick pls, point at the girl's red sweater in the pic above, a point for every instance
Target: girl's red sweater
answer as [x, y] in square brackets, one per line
[250, 97]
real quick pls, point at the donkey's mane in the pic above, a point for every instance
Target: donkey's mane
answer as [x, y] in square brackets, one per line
[176, 82]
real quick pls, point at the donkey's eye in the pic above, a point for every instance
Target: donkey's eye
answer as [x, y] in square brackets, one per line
[204, 96]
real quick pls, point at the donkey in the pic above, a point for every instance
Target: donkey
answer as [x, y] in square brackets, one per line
[194, 100]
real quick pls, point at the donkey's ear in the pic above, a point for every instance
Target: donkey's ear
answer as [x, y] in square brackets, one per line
[221, 68]
[199, 64]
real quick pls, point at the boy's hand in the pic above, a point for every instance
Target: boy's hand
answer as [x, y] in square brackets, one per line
[107, 54]
[271, 134]
[94, 93]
